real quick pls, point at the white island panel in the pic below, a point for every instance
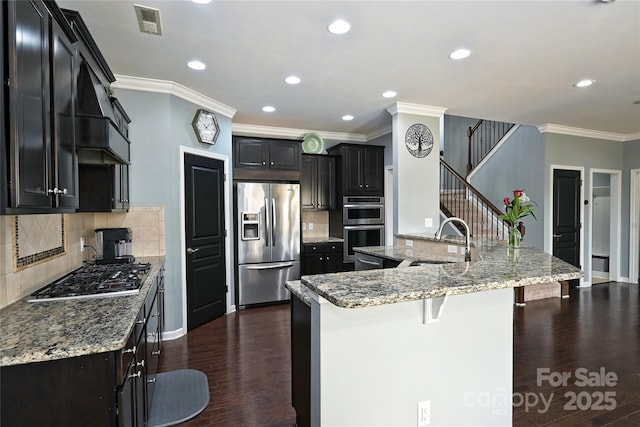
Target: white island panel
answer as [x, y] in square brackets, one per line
[371, 366]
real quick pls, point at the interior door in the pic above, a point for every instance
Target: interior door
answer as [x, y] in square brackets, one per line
[205, 239]
[566, 216]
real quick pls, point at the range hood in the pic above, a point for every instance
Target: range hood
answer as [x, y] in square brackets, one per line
[98, 139]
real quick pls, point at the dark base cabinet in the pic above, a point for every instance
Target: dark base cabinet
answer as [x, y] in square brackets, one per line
[301, 361]
[320, 258]
[111, 389]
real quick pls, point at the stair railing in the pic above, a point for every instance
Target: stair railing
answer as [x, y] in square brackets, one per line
[482, 138]
[480, 214]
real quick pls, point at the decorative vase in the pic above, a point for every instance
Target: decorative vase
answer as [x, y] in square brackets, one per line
[514, 237]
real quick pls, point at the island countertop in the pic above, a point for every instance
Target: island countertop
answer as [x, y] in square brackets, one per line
[498, 267]
[41, 331]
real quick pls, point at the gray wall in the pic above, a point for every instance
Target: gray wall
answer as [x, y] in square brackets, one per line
[517, 165]
[631, 160]
[456, 142]
[568, 150]
[160, 125]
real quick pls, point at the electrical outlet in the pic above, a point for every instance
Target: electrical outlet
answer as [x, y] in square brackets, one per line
[81, 244]
[452, 249]
[310, 226]
[428, 222]
[424, 413]
[409, 243]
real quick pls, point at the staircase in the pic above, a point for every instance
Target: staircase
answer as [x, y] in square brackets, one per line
[459, 198]
[483, 137]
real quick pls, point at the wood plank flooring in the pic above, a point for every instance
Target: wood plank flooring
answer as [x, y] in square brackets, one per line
[246, 356]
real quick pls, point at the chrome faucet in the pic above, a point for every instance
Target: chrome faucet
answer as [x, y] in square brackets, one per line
[467, 243]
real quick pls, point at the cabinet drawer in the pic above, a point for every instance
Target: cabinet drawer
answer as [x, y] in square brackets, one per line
[311, 248]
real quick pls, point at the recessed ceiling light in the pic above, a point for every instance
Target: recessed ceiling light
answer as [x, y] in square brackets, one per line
[201, 1]
[339, 26]
[196, 65]
[268, 109]
[292, 80]
[460, 54]
[389, 94]
[584, 83]
[347, 117]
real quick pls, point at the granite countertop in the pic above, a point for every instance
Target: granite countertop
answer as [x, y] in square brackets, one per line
[402, 253]
[41, 331]
[328, 239]
[300, 291]
[499, 267]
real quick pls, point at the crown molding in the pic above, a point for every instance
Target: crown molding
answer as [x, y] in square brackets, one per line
[172, 88]
[290, 133]
[417, 109]
[587, 133]
[380, 132]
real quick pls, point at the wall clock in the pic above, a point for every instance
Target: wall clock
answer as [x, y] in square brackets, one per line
[419, 140]
[206, 126]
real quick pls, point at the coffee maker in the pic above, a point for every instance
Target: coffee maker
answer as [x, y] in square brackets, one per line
[113, 246]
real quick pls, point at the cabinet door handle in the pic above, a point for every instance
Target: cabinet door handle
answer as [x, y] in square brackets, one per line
[327, 258]
[141, 322]
[131, 350]
[137, 374]
[320, 258]
[367, 185]
[156, 353]
[152, 380]
[264, 163]
[140, 363]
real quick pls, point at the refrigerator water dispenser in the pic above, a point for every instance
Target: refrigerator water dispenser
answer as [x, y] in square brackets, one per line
[250, 226]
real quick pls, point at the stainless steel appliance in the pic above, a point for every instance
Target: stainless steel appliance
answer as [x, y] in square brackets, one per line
[268, 240]
[360, 210]
[360, 236]
[90, 281]
[113, 246]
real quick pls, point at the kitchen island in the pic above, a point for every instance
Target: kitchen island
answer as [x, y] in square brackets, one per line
[386, 342]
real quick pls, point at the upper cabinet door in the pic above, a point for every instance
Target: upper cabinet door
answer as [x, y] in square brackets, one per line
[326, 182]
[308, 183]
[63, 74]
[353, 157]
[250, 154]
[284, 155]
[373, 170]
[29, 104]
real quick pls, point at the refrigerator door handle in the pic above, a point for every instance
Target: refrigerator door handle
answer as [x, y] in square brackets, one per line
[273, 220]
[266, 222]
[270, 266]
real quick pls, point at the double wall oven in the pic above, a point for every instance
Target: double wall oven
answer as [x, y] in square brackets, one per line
[362, 223]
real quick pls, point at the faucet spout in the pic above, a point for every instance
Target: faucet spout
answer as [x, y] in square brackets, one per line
[467, 237]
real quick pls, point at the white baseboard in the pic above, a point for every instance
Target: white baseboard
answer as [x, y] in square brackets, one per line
[231, 309]
[172, 335]
[585, 284]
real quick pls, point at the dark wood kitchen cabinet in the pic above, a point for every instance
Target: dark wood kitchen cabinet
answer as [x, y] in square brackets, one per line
[106, 389]
[322, 257]
[360, 169]
[301, 360]
[263, 158]
[42, 174]
[317, 182]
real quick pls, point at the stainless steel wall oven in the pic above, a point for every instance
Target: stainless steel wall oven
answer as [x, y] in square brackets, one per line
[362, 210]
[361, 235]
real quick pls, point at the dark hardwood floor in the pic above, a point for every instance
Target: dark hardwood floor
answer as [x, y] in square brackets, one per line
[246, 356]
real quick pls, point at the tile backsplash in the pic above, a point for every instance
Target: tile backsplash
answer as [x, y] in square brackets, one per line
[315, 224]
[146, 223]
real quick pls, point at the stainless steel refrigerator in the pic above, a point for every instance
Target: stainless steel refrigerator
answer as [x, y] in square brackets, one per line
[268, 240]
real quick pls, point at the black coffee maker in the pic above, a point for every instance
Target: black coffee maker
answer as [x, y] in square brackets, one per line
[113, 246]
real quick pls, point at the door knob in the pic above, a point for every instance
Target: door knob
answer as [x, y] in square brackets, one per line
[192, 251]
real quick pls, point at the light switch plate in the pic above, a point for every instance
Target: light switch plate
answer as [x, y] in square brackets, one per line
[428, 222]
[409, 243]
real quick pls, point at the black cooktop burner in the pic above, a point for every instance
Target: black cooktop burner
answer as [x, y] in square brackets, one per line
[94, 280]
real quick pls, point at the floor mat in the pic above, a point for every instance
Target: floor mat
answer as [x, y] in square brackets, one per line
[179, 395]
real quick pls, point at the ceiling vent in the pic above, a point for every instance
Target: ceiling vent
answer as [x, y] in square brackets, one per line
[148, 19]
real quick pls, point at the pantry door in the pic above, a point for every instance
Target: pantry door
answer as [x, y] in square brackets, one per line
[567, 225]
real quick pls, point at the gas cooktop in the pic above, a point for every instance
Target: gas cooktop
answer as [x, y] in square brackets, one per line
[92, 280]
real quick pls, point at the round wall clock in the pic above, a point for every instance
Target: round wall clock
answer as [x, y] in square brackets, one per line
[206, 126]
[419, 140]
